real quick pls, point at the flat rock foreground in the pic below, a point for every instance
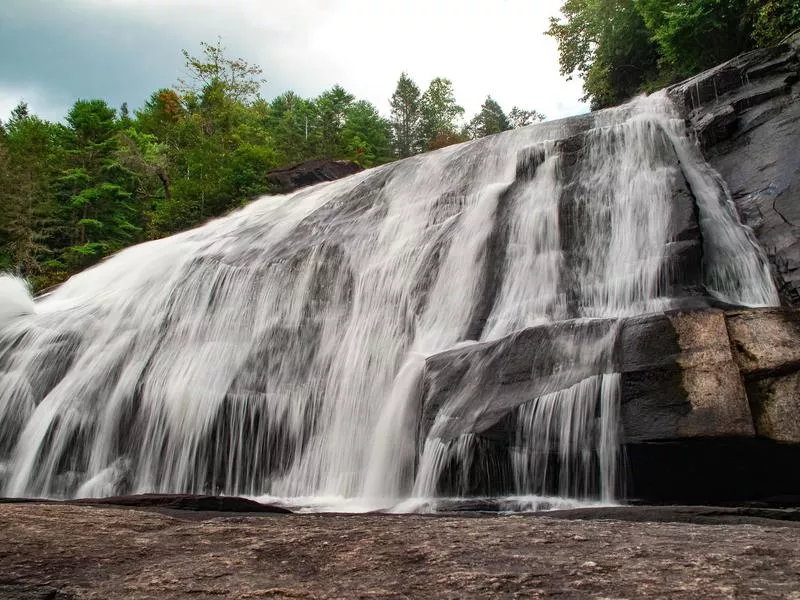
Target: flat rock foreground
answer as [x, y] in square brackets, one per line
[65, 552]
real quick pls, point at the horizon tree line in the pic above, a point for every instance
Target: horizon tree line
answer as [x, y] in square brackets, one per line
[74, 192]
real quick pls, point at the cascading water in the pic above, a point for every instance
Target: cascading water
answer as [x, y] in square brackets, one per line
[281, 351]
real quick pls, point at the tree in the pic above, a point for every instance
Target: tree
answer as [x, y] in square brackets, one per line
[218, 156]
[491, 119]
[95, 187]
[520, 118]
[28, 159]
[406, 117]
[773, 20]
[148, 161]
[439, 112]
[366, 135]
[160, 113]
[606, 43]
[18, 115]
[693, 35]
[332, 106]
[239, 79]
[293, 123]
[73, 193]
[623, 47]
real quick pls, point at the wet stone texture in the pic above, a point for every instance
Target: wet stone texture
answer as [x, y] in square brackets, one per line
[69, 552]
[746, 115]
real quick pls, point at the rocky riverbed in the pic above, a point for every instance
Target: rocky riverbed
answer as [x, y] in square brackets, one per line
[65, 552]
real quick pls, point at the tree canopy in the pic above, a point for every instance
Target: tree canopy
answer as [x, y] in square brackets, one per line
[622, 47]
[406, 116]
[72, 193]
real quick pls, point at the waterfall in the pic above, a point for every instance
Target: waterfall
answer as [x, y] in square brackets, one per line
[280, 351]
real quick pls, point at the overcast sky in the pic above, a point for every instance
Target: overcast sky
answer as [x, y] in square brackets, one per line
[53, 52]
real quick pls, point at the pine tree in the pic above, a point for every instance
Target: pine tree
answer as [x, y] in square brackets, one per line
[96, 187]
[28, 159]
[406, 117]
[491, 119]
[294, 125]
[366, 135]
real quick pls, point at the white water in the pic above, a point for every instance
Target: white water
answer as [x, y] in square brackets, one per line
[16, 299]
[280, 351]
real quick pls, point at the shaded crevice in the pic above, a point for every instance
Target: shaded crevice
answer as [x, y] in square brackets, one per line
[493, 268]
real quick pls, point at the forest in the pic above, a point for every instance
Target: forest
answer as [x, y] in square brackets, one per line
[74, 192]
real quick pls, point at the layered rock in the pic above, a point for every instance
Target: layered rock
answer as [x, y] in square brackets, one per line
[685, 374]
[310, 172]
[709, 398]
[766, 346]
[747, 117]
[679, 379]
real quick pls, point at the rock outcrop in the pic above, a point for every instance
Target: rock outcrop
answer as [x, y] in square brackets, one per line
[702, 373]
[709, 398]
[766, 348]
[746, 115]
[679, 379]
[310, 172]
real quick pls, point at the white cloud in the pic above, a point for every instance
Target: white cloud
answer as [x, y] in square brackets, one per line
[485, 47]
[38, 103]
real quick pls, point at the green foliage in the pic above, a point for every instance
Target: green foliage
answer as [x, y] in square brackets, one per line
[406, 116]
[331, 108]
[29, 157]
[606, 43]
[439, 112]
[98, 212]
[491, 119]
[366, 136]
[773, 20]
[696, 34]
[238, 79]
[293, 122]
[622, 47]
[75, 193]
[519, 117]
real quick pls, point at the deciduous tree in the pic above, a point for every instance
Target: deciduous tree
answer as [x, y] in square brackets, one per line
[519, 117]
[240, 79]
[439, 112]
[606, 43]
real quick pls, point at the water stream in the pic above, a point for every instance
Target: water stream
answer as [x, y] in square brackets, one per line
[279, 352]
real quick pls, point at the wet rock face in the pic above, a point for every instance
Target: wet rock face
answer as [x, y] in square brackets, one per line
[685, 374]
[679, 379]
[482, 384]
[289, 179]
[710, 399]
[746, 115]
